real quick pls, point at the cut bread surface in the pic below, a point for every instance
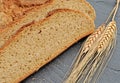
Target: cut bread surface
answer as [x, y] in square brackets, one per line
[35, 45]
[40, 13]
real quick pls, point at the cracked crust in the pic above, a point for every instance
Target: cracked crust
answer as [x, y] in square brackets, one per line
[13, 11]
[17, 8]
[28, 3]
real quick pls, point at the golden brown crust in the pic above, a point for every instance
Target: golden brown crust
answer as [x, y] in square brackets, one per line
[31, 10]
[29, 3]
[23, 16]
[14, 11]
[55, 54]
[17, 12]
[92, 9]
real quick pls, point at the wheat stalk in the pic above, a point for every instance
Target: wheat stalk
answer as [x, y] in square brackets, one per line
[89, 42]
[103, 46]
[87, 45]
[80, 67]
[106, 42]
[111, 27]
[98, 51]
[92, 38]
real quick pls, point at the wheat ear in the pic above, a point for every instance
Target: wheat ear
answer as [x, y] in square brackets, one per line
[89, 42]
[86, 46]
[78, 68]
[112, 24]
[91, 39]
[103, 46]
[106, 41]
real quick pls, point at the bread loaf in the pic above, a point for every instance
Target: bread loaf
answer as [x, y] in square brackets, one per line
[39, 43]
[40, 13]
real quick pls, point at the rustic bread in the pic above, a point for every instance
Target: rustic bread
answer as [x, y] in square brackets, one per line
[40, 13]
[39, 43]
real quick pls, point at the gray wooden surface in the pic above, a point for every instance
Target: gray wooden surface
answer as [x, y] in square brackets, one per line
[55, 70]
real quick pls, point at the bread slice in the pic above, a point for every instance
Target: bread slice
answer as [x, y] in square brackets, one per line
[36, 45]
[40, 13]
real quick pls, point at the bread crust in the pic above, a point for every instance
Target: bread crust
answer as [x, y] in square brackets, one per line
[15, 11]
[29, 3]
[34, 9]
[90, 6]
[23, 16]
[30, 9]
[55, 54]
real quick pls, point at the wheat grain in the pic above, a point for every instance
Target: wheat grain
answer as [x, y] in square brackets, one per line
[108, 34]
[103, 44]
[92, 38]
[107, 42]
[109, 38]
[79, 66]
[88, 43]
[104, 47]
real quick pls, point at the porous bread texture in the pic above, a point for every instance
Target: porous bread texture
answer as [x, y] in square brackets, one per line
[36, 45]
[40, 13]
